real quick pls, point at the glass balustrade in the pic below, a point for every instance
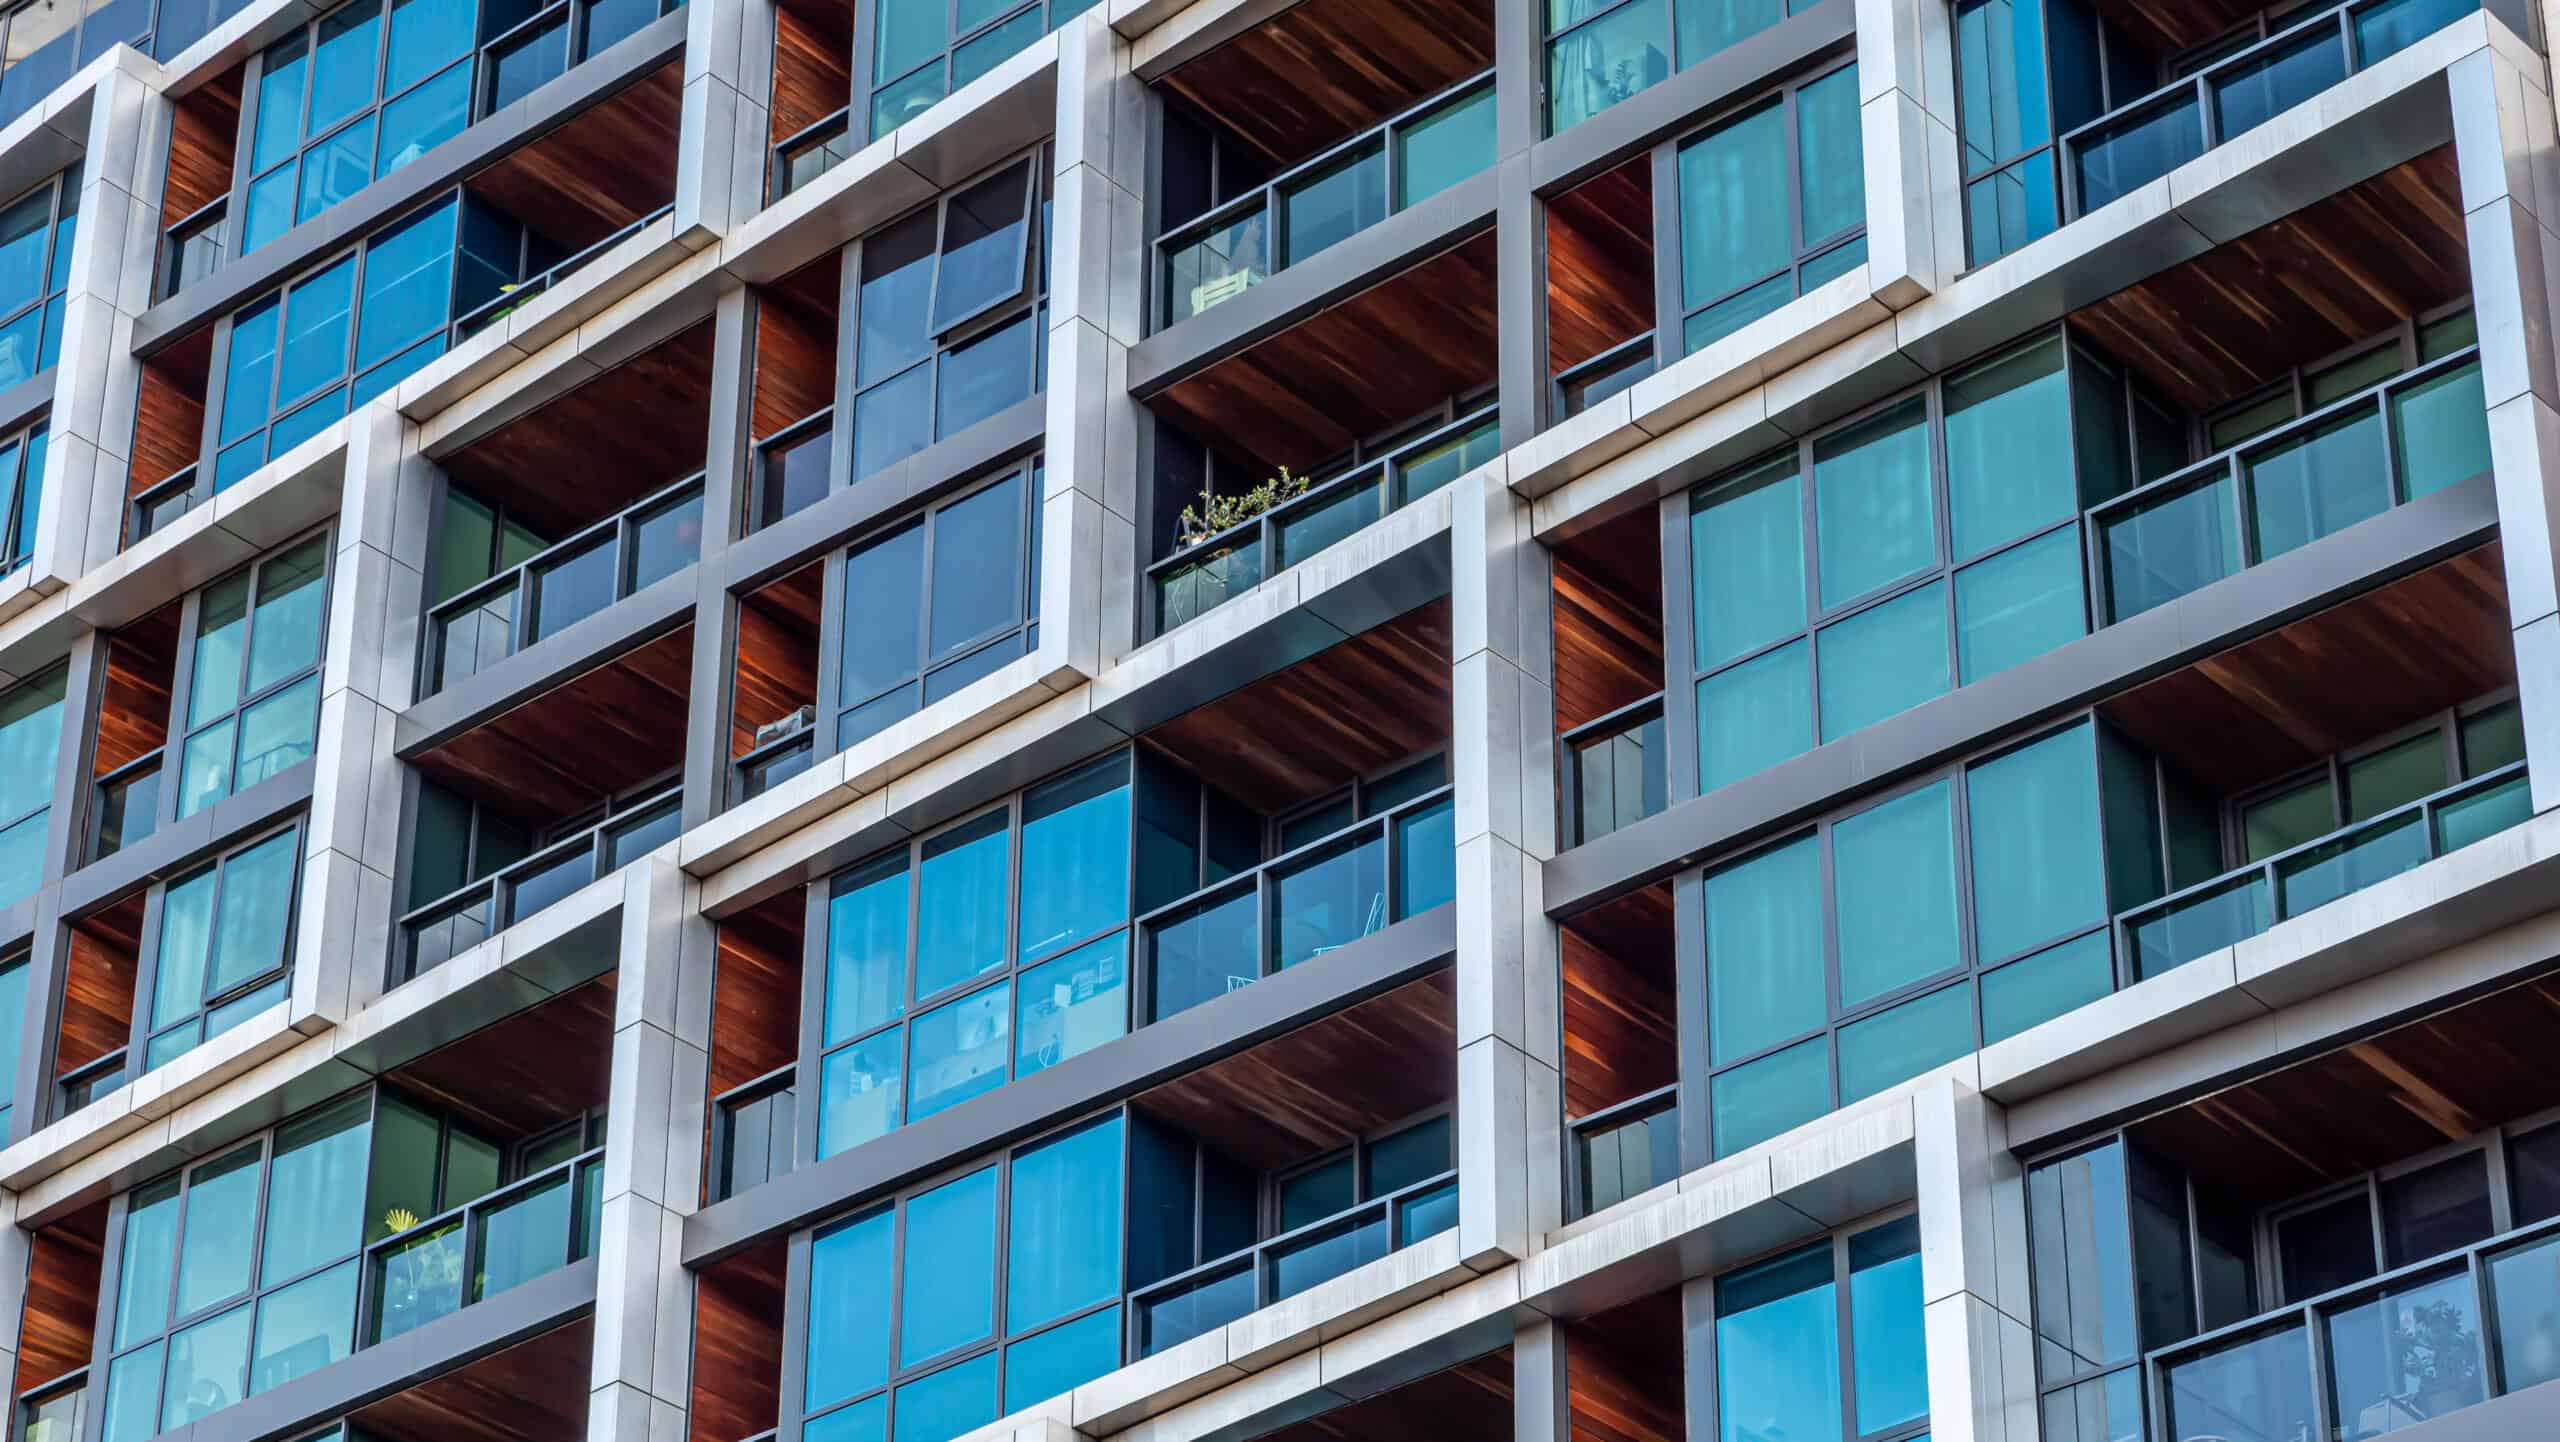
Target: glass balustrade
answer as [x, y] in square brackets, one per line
[1624, 1150]
[444, 928]
[438, 1266]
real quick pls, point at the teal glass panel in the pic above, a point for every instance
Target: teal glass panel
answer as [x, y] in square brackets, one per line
[1893, 869]
[1062, 1241]
[142, 1279]
[1838, 261]
[866, 949]
[1436, 151]
[2019, 604]
[985, 52]
[959, 1051]
[2009, 466]
[1896, 1045]
[2318, 482]
[2482, 814]
[1778, 1349]
[2159, 550]
[2207, 921]
[1061, 1359]
[524, 1236]
[1617, 56]
[1426, 859]
[865, 1421]
[2524, 1287]
[2395, 776]
[2491, 738]
[1765, 978]
[1889, 1364]
[1422, 472]
[1429, 1213]
[2440, 431]
[2129, 154]
[1705, 327]
[905, 34]
[951, 1302]
[221, 1232]
[2000, 80]
[2038, 862]
[306, 421]
[315, 1191]
[941, 1406]
[960, 904]
[133, 1396]
[186, 936]
[1204, 954]
[1874, 522]
[1708, 26]
[2249, 95]
[2258, 1387]
[1746, 563]
[1332, 204]
[2036, 989]
[2350, 864]
[2395, 25]
[30, 742]
[285, 631]
[904, 101]
[2287, 819]
[1755, 715]
[1830, 159]
[1733, 204]
[858, 1090]
[22, 861]
[1883, 660]
[1069, 1006]
[208, 1364]
[1416, 1154]
[848, 1350]
[1075, 858]
[304, 1327]
[256, 912]
[2081, 1261]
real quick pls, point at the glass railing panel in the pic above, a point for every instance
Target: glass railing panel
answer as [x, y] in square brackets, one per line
[551, 881]
[2332, 869]
[590, 1207]
[1224, 261]
[417, 1280]
[53, 1418]
[761, 771]
[1609, 60]
[2162, 548]
[2461, 820]
[2118, 157]
[1328, 902]
[664, 541]
[2318, 481]
[1328, 1252]
[2395, 25]
[2255, 1387]
[1447, 145]
[1578, 388]
[128, 807]
[792, 470]
[2250, 94]
[2440, 430]
[1194, 1309]
[1617, 774]
[1626, 1151]
[524, 1236]
[2524, 1291]
[1426, 850]
[2404, 1356]
[569, 588]
[757, 1125]
[1427, 1213]
[1333, 204]
[473, 639]
[1204, 953]
[629, 839]
[1304, 530]
[813, 152]
[439, 938]
[2201, 922]
[89, 1082]
[1197, 587]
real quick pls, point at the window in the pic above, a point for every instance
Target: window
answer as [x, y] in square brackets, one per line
[991, 949]
[1773, 202]
[1017, 1299]
[938, 602]
[1782, 1327]
[2027, 71]
[922, 50]
[252, 682]
[332, 112]
[22, 460]
[47, 41]
[1847, 960]
[1600, 52]
[30, 743]
[36, 232]
[13, 1003]
[1853, 576]
[221, 948]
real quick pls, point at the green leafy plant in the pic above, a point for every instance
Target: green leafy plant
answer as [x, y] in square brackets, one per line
[1216, 513]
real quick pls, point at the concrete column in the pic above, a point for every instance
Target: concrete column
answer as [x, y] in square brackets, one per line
[1510, 1068]
[1541, 1390]
[655, 1111]
[1520, 252]
[1976, 1315]
[721, 147]
[2503, 133]
[96, 378]
[1089, 526]
[724, 483]
[1907, 129]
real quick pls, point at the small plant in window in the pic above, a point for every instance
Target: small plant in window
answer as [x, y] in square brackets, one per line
[1216, 513]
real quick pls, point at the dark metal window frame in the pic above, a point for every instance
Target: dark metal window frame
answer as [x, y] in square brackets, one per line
[866, 18]
[1705, 1400]
[62, 204]
[2332, 769]
[2407, 334]
[183, 683]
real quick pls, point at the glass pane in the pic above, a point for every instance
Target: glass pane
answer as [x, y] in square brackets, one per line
[2319, 482]
[207, 1366]
[1830, 160]
[2027, 993]
[884, 583]
[1444, 147]
[1614, 57]
[2009, 452]
[858, 1093]
[2353, 862]
[1061, 1359]
[984, 236]
[2037, 862]
[1765, 950]
[1746, 550]
[977, 542]
[2483, 813]
[527, 63]
[1894, 1046]
[2395, 25]
[277, 732]
[335, 169]
[1226, 260]
[425, 35]
[960, 904]
[408, 286]
[1756, 1102]
[1894, 892]
[315, 1191]
[2492, 738]
[279, 123]
[1071, 1005]
[1062, 1247]
[2326, 1247]
[1310, 1196]
[1778, 1350]
[2440, 431]
[865, 1421]
[2524, 1285]
[1204, 955]
[1891, 1372]
[947, 1403]
[425, 117]
[1194, 1309]
[314, 349]
[1705, 327]
[343, 65]
[2008, 208]
[1734, 202]
[2208, 921]
[2435, 1210]
[891, 421]
[982, 377]
[665, 541]
[2018, 605]
[2249, 95]
[30, 742]
[2287, 819]
[221, 1231]
[2159, 550]
[24, 228]
[257, 912]
[991, 48]
[304, 1327]
[848, 1350]
[1327, 1254]
[2406, 1356]
[1874, 522]
[960, 1051]
[1332, 205]
[221, 632]
[142, 1281]
[1328, 902]
[2257, 1390]
[866, 949]
[952, 1302]
[1426, 858]
[2395, 776]
[1310, 528]
[523, 1237]
[2000, 79]
[1884, 660]
[1754, 715]
[2131, 153]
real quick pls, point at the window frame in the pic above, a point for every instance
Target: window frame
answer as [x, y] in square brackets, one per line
[1706, 1403]
[183, 679]
[2295, 382]
[33, 443]
[62, 196]
[1363, 1184]
[869, 88]
[146, 971]
[2049, 150]
[79, 52]
[2332, 769]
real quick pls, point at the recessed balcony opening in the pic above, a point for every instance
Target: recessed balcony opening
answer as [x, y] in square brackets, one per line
[755, 1046]
[104, 961]
[737, 1346]
[554, 517]
[133, 729]
[1607, 586]
[1288, 446]
[204, 139]
[1296, 815]
[2269, 779]
[812, 94]
[773, 695]
[168, 435]
[531, 806]
[1621, 1050]
[534, 1391]
[1625, 1372]
[797, 337]
[2398, 1199]
[1471, 1400]
[59, 1325]
[1287, 1165]
[1600, 270]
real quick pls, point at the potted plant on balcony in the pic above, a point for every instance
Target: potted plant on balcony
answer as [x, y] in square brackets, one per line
[420, 1282]
[1207, 582]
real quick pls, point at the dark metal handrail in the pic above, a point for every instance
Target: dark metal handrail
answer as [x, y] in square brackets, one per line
[1582, 1130]
[1635, 351]
[823, 134]
[496, 890]
[472, 1219]
[479, 317]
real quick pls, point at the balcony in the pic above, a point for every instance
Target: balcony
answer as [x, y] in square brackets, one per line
[773, 697]
[441, 1264]
[1607, 600]
[515, 297]
[1621, 1050]
[1471, 1400]
[532, 1391]
[58, 1328]
[755, 1046]
[454, 923]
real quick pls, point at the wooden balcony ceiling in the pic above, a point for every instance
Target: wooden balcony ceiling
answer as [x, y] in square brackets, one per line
[1350, 710]
[2332, 679]
[1325, 70]
[1367, 365]
[777, 656]
[1621, 1018]
[637, 428]
[133, 716]
[534, 1391]
[1312, 1090]
[601, 169]
[1625, 1371]
[1470, 1402]
[535, 1069]
[2164, 27]
[737, 1344]
[580, 742]
[755, 1011]
[1599, 264]
[2214, 328]
[2345, 1112]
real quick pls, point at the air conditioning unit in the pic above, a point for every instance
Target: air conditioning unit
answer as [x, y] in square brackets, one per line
[791, 725]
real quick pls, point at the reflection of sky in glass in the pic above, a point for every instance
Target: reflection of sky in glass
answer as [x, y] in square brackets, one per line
[1890, 1372]
[1778, 1351]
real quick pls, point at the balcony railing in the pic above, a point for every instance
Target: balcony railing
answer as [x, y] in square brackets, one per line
[2143, 140]
[195, 246]
[1207, 574]
[450, 925]
[773, 762]
[160, 504]
[563, 584]
[89, 1081]
[53, 1411]
[2239, 904]
[127, 806]
[1580, 386]
[1623, 1150]
[1320, 202]
[1294, 908]
[498, 307]
[1188, 1304]
[2420, 431]
[753, 1127]
[792, 467]
[1613, 773]
[447, 1262]
[810, 153]
[2389, 1352]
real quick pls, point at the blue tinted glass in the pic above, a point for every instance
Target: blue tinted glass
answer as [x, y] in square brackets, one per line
[984, 234]
[848, 1323]
[866, 1421]
[393, 371]
[1873, 520]
[892, 421]
[960, 904]
[23, 228]
[335, 169]
[1426, 858]
[858, 1092]
[866, 949]
[909, 31]
[1764, 950]
[249, 376]
[2019, 604]
[897, 286]
[1061, 1359]
[1894, 890]
[977, 551]
[1753, 1103]
[301, 425]
[1069, 1006]
[1755, 715]
[2319, 481]
[2000, 79]
[1778, 1350]
[950, 1302]
[314, 350]
[884, 584]
[1884, 660]
[423, 119]
[1746, 557]
[959, 1051]
[1595, 67]
[408, 285]
[2028, 993]
[2038, 871]
[952, 1401]
[1062, 1248]
[343, 66]
[984, 376]
[1889, 1365]
[279, 124]
[425, 36]
[1897, 1044]
[270, 208]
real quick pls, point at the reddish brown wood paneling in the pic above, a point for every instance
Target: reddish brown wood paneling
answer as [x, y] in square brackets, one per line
[2326, 276]
[609, 730]
[1599, 264]
[168, 415]
[535, 1391]
[812, 67]
[637, 428]
[796, 346]
[133, 716]
[1608, 644]
[1470, 1402]
[1623, 1373]
[202, 135]
[533, 1070]
[777, 657]
[601, 170]
[61, 1315]
[1621, 1036]
[755, 993]
[737, 1346]
[1324, 70]
[97, 986]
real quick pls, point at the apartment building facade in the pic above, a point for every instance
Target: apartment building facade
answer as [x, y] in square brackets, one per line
[688, 551]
